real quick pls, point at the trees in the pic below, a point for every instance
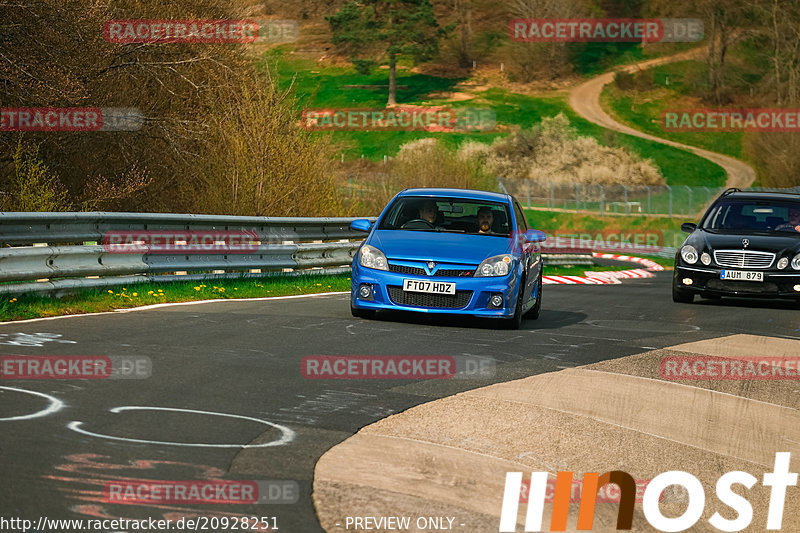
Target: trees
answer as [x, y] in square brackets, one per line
[378, 32]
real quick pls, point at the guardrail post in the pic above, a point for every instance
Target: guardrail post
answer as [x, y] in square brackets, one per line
[670, 199]
[627, 207]
[602, 200]
[528, 189]
[690, 200]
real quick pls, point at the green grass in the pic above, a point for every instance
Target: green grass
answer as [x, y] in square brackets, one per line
[555, 220]
[674, 88]
[579, 270]
[321, 87]
[96, 301]
[670, 228]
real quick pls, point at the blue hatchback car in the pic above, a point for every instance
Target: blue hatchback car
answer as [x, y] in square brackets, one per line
[449, 251]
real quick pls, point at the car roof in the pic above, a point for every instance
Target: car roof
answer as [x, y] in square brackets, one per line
[761, 195]
[467, 194]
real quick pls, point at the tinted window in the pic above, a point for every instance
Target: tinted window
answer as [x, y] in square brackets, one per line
[753, 216]
[446, 214]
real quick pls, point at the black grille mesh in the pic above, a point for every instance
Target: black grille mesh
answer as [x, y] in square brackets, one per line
[419, 299]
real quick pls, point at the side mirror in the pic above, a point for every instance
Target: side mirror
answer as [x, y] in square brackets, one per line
[688, 227]
[361, 224]
[534, 235]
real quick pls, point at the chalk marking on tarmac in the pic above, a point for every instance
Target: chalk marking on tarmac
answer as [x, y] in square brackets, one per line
[33, 339]
[287, 435]
[55, 405]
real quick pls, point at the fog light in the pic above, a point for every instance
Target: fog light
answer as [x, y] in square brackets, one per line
[796, 288]
[496, 300]
[687, 281]
[365, 291]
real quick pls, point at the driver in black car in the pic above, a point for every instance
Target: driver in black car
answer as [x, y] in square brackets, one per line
[794, 221]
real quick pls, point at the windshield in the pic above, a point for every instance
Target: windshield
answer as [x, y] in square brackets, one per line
[447, 214]
[761, 216]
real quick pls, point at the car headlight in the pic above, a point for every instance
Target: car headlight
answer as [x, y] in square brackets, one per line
[796, 262]
[371, 257]
[689, 254]
[705, 258]
[498, 265]
[783, 262]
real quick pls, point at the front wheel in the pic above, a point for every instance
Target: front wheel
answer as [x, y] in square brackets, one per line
[681, 296]
[516, 321]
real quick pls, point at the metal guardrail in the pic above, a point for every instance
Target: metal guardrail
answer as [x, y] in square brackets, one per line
[61, 251]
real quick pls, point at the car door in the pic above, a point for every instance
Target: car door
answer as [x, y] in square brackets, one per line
[529, 256]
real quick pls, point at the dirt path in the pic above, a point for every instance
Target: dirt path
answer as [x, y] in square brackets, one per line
[585, 100]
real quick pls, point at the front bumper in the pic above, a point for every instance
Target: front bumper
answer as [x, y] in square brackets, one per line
[706, 281]
[472, 294]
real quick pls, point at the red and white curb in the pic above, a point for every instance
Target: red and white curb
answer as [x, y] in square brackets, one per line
[651, 265]
[608, 277]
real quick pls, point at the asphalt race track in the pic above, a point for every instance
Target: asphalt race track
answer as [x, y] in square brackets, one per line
[242, 359]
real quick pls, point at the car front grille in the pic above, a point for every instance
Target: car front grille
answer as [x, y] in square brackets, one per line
[420, 299]
[744, 259]
[447, 272]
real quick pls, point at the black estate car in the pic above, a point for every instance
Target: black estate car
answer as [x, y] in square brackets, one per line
[747, 244]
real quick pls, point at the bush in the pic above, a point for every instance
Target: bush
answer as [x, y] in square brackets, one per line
[33, 186]
[553, 152]
[423, 163]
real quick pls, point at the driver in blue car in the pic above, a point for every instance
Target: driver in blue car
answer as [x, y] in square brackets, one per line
[794, 221]
[429, 211]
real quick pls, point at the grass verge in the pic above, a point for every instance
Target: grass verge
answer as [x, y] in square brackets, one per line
[97, 301]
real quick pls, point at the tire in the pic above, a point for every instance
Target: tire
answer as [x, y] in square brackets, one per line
[516, 321]
[362, 313]
[533, 312]
[680, 296]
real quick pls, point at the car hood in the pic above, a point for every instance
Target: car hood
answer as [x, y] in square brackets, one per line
[443, 247]
[772, 242]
